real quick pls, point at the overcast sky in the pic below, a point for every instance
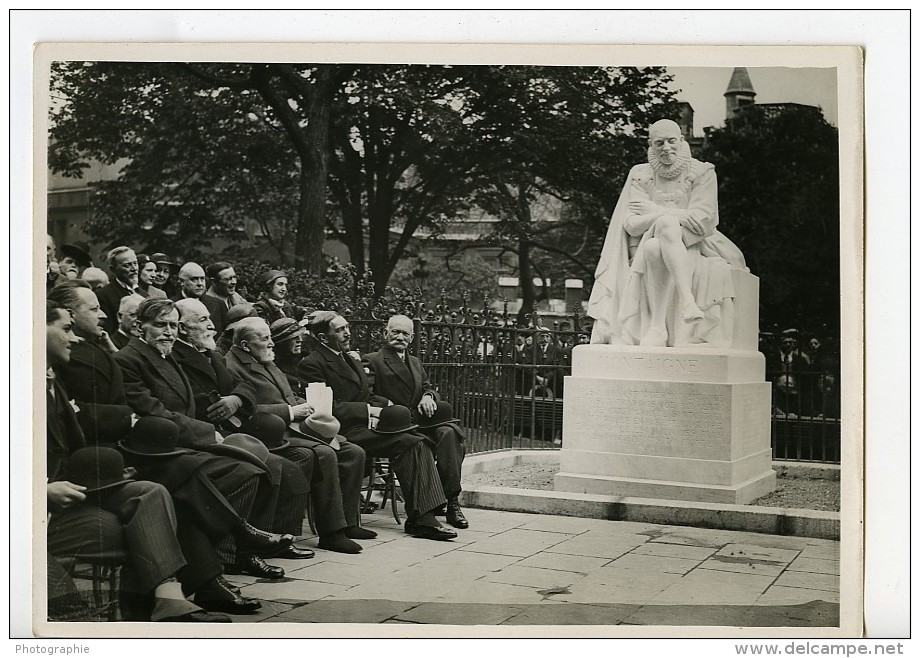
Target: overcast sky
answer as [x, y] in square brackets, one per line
[703, 88]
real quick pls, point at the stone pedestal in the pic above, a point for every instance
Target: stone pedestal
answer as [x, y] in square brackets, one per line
[667, 422]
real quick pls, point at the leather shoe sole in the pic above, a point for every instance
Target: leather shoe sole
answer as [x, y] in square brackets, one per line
[430, 532]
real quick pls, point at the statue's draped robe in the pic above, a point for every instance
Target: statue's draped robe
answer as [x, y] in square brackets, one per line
[619, 300]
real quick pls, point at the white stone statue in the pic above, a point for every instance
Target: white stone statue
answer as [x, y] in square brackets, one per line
[664, 276]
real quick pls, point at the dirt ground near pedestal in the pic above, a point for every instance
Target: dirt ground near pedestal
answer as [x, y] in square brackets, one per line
[793, 490]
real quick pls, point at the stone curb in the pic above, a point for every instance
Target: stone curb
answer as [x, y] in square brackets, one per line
[769, 520]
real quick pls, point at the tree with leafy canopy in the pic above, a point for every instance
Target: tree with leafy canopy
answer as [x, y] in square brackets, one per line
[555, 142]
[213, 148]
[779, 202]
[209, 150]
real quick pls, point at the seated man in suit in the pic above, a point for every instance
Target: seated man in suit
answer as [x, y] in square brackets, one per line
[336, 484]
[357, 410]
[127, 314]
[137, 517]
[155, 385]
[398, 376]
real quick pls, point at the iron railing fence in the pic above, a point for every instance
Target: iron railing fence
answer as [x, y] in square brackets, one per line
[505, 382]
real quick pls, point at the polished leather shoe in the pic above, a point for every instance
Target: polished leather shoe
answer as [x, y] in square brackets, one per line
[437, 533]
[455, 516]
[293, 553]
[253, 538]
[357, 532]
[219, 596]
[253, 565]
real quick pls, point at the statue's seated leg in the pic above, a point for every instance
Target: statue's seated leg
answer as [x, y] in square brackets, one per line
[674, 254]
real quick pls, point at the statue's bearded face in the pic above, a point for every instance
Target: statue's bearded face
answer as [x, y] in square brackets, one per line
[668, 153]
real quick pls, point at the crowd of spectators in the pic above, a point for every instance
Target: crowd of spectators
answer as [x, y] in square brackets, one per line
[186, 440]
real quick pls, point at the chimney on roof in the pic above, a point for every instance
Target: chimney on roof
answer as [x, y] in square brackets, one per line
[740, 92]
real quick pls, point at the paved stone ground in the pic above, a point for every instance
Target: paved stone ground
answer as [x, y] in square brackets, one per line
[517, 569]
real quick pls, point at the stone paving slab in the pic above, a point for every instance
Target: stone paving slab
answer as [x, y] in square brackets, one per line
[814, 565]
[562, 562]
[521, 543]
[704, 586]
[757, 553]
[513, 568]
[533, 577]
[778, 595]
[343, 612]
[823, 581]
[575, 613]
[655, 563]
[815, 613]
[741, 565]
[609, 548]
[674, 550]
[457, 614]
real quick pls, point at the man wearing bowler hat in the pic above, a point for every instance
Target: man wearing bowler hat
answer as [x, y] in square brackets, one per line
[336, 474]
[359, 410]
[398, 376]
[92, 511]
[75, 259]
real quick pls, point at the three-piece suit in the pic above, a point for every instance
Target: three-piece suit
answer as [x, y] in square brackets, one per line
[405, 382]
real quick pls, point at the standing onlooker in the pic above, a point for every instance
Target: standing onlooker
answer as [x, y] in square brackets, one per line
[122, 263]
[75, 259]
[146, 274]
[223, 289]
[272, 303]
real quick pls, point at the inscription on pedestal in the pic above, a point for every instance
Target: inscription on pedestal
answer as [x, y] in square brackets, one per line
[655, 363]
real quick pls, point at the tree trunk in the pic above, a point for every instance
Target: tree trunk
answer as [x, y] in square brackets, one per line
[311, 210]
[525, 277]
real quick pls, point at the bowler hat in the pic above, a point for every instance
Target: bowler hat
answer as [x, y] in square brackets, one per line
[162, 259]
[239, 311]
[442, 415]
[269, 277]
[152, 436]
[286, 329]
[79, 251]
[96, 468]
[267, 428]
[242, 446]
[394, 419]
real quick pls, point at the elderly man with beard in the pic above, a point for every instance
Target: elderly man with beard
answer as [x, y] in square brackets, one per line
[122, 262]
[664, 274]
[155, 385]
[357, 409]
[398, 376]
[223, 400]
[336, 484]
